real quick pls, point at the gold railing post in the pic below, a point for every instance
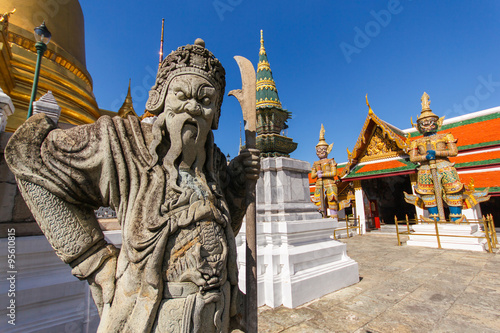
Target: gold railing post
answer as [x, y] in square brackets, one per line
[437, 232]
[397, 229]
[358, 225]
[487, 234]
[407, 224]
[347, 225]
[493, 230]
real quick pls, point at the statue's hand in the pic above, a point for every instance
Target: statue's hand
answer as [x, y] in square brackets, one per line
[250, 158]
[431, 155]
[320, 174]
[102, 283]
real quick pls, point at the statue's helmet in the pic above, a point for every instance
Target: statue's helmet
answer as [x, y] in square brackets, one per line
[322, 141]
[189, 59]
[426, 110]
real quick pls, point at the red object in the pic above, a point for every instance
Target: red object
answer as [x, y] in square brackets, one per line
[374, 213]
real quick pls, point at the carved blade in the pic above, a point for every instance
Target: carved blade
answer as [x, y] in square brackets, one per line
[246, 97]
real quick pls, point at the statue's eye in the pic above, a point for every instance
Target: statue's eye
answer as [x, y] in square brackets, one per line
[181, 95]
[206, 101]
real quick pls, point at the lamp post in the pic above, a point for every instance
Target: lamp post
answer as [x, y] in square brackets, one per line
[42, 36]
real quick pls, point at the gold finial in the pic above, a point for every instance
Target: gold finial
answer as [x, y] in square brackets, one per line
[5, 16]
[161, 41]
[262, 49]
[426, 103]
[370, 111]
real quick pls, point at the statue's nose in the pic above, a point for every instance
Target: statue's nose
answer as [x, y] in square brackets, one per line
[192, 108]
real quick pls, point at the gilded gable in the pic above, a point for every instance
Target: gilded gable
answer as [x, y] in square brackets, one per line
[380, 146]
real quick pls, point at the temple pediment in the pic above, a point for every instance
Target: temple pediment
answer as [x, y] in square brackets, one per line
[378, 143]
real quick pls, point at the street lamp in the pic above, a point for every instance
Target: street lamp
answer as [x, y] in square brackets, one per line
[42, 36]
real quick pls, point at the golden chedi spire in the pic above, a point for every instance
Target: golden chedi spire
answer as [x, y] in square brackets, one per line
[63, 69]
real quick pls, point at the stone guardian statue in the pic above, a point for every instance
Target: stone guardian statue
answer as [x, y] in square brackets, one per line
[178, 202]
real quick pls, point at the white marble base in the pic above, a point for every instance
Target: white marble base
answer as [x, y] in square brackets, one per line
[457, 243]
[297, 262]
[48, 298]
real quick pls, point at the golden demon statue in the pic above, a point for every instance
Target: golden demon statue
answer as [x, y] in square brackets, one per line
[438, 179]
[325, 171]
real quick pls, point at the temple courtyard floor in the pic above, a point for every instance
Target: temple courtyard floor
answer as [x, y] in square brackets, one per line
[402, 289]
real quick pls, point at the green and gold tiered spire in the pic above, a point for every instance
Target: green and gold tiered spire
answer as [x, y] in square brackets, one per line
[267, 94]
[271, 117]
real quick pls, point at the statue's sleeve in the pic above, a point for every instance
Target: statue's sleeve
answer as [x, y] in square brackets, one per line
[452, 149]
[415, 157]
[63, 176]
[333, 169]
[314, 171]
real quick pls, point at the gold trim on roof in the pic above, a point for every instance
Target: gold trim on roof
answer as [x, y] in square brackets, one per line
[268, 102]
[355, 156]
[266, 84]
[263, 65]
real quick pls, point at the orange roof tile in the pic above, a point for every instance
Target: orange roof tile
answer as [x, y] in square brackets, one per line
[471, 133]
[480, 132]
[382, 165]
[482, 179]
[469, 158]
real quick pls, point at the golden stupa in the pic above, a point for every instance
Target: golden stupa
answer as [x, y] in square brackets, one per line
[63, 69]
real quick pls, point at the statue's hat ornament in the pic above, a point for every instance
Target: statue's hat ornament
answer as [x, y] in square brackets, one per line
[189, 59]
[426, 109]
[322, 141]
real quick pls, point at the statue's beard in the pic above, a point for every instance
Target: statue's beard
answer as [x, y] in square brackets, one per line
[188, 137]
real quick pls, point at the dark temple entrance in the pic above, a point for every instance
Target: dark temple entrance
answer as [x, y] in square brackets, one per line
[492, 207]
[387, 192]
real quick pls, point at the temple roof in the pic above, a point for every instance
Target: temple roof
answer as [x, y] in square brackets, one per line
[267, 94]
[378, 140]
[478, 149]
[475, 130]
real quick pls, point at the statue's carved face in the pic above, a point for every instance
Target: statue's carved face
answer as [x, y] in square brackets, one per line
[322, 151]
[427, 125]
[192, 95]
[190, 108]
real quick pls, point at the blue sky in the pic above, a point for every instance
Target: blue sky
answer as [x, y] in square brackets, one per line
[325, 57]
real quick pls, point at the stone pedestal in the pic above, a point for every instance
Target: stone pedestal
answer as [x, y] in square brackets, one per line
[47, 297]
[296, 260]
[449, 242]
[283, 191]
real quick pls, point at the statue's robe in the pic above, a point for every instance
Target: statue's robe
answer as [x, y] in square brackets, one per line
[65, 174]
